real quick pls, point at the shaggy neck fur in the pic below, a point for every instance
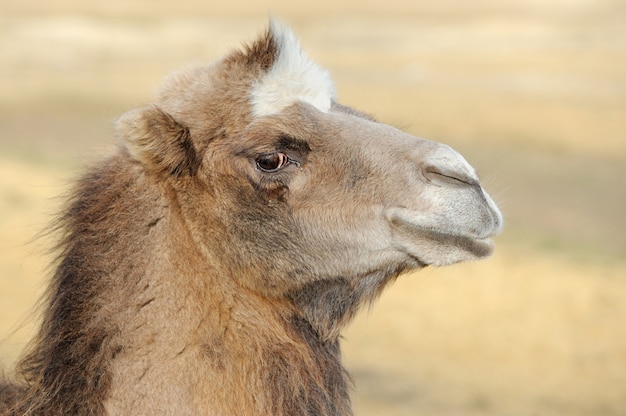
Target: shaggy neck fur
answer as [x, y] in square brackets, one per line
[150, 340]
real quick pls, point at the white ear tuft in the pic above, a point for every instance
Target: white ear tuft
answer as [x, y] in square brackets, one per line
[293, 77]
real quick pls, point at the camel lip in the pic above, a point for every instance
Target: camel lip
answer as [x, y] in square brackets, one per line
[486, 245]
[477, 245]
[401, 217]
[481, 246]
[484, 236]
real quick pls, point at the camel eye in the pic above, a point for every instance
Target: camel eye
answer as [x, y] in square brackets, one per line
[272, 162]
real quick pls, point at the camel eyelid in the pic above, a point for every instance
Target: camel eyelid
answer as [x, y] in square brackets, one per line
[284, 159]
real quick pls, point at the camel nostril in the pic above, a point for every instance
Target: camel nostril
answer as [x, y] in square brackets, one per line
[444, 166]
[448, 177]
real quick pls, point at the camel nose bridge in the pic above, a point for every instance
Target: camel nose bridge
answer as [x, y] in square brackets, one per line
[442, 163]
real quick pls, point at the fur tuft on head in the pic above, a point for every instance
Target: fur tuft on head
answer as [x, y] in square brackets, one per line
[293, 77]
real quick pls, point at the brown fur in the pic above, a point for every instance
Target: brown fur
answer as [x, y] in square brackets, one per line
[190, 282]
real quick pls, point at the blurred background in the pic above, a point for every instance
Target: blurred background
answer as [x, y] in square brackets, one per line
[532, 92]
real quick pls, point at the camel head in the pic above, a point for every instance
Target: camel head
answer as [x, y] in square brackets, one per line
[296, 197]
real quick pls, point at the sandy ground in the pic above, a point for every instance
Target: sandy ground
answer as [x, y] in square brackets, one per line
[534, 94]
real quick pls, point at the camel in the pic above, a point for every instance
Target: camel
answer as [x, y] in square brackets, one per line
[210, 264]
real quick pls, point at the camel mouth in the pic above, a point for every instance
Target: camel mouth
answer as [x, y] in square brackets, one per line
[441, 247]
[479, 246]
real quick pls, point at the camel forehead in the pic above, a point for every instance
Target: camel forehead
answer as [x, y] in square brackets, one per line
[293, 77]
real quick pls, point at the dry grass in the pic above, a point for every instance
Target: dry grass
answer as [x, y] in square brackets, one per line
[533, 93]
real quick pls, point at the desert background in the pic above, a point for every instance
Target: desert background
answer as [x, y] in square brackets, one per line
[532, 92]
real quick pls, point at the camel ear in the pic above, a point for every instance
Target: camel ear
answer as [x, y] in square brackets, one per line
[156, 140]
